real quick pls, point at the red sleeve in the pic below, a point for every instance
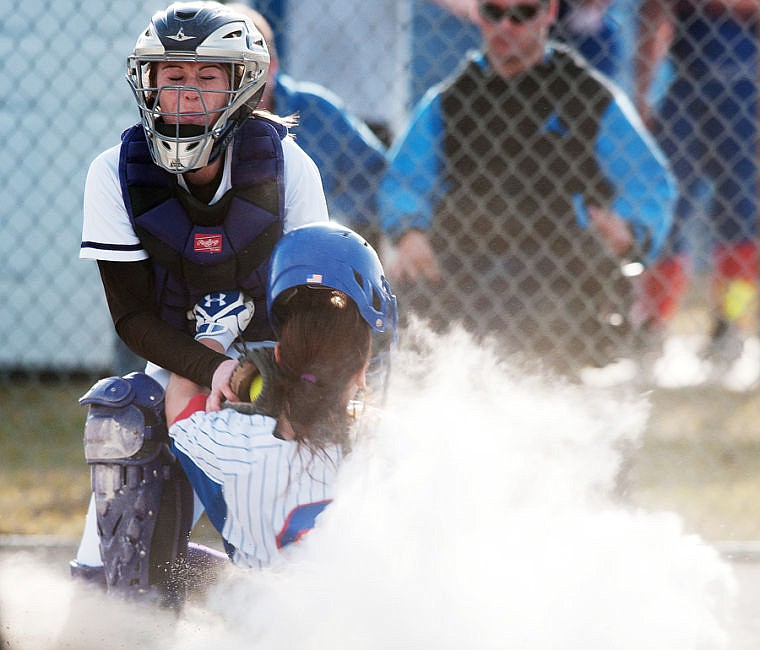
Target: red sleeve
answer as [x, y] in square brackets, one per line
[196, 404]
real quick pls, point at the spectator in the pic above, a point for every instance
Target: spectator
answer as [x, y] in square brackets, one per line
[350, 158]
[706, 125]
[442, 32]
[518, 191]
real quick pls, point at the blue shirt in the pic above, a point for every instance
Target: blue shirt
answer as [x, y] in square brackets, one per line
[350, 158]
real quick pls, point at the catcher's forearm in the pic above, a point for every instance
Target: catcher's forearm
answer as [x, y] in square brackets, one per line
[176, 351]
[129, 292]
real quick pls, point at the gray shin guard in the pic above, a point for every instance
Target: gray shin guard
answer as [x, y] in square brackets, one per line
[143, 500]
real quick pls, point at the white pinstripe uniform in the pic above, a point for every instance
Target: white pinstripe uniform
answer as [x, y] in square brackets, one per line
[260, 492]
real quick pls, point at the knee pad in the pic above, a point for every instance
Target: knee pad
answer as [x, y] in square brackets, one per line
[125, 422]
[143, 500]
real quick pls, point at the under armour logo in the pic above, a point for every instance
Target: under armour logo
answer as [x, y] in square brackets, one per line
[220, 298]
[180, 36]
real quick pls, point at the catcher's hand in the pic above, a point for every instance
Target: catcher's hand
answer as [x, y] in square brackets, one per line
[222, 316]
[253, 381]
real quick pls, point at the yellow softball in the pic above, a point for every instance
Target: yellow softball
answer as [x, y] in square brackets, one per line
[257, 385]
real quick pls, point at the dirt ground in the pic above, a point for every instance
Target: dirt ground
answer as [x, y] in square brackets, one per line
[54, 555]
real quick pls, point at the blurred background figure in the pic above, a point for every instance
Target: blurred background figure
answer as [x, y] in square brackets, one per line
[519, 191]
[357, 50]
[350, 157]
[707, 125]
[442, 31]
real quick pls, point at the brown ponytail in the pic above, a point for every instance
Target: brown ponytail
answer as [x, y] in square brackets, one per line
[324, 343]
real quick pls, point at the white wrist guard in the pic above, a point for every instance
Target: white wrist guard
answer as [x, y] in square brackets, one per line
[222, 316]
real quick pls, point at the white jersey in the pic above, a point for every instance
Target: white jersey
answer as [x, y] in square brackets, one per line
[260, 492]
[107, 233]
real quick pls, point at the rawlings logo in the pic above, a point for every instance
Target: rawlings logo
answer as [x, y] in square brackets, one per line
[207, 244]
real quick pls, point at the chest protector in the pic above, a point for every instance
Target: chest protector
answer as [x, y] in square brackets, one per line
[197, 248]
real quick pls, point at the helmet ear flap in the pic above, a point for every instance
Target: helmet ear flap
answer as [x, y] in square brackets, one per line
[255, 99]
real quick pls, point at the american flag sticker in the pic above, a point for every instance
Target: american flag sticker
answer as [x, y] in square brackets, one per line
[314, 278]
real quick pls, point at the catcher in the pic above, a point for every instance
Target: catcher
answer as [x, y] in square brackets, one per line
[191, 202]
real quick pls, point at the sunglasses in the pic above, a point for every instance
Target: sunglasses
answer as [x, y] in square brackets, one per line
[516, 14]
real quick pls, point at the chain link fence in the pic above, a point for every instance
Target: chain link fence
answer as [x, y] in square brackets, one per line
[66, 100]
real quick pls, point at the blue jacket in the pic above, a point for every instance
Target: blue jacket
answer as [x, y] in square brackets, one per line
[643, 190]
[350, 158]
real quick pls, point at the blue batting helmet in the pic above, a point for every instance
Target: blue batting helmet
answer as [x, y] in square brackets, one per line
[331, 256]
[325, 254]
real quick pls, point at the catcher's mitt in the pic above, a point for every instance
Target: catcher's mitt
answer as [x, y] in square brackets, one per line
[253, 382]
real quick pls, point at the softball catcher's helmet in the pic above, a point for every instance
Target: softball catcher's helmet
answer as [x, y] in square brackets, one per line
[328, 255]
[197, 32]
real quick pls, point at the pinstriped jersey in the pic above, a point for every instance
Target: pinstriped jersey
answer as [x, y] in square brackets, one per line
[260, 492]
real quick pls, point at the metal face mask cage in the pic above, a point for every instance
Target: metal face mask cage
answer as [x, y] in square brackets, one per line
[380, 365]
[177, 147]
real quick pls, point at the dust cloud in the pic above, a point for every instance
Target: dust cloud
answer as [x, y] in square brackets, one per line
[485, 512]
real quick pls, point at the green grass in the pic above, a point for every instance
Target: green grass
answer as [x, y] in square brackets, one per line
[700, 458]
[713, 486]
[46, 483]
